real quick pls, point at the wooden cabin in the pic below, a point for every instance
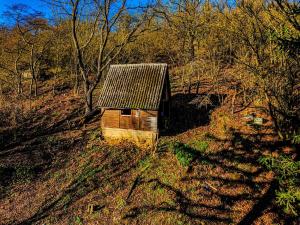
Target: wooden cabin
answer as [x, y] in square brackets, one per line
[135, 102]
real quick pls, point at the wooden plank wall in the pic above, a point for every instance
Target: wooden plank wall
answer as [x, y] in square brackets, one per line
[146, 122]
[111, 118]
[138, 120]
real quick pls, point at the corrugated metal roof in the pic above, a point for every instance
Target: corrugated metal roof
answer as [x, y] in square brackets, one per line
[137, 86]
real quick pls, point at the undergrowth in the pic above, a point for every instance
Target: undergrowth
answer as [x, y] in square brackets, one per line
[20, 174]
[288, 176]
[183, 152]
[200, 146]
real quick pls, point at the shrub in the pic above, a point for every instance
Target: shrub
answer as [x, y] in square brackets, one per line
[222, 123]
[201, 146]
[289, 200]
[145, 163]
[183, 152]
[287, 173]
[78, 220]
[95, 135]
[24, 174]
[296, 139]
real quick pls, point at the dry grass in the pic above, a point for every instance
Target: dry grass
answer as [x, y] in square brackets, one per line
[76, 172]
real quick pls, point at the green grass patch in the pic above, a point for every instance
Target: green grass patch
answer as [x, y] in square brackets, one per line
[145, 163]
[24, 173]
[55, 114]
[95, 135]
[183, 152]
[52, 139]
[87, 173]
[65, 201]
[296, 139]
[200, 145]
[78, 220]
[17, 174]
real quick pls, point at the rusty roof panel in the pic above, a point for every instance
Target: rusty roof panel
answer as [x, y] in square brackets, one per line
[136, 86]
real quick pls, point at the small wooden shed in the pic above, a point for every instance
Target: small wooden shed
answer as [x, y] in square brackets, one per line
[135, 102]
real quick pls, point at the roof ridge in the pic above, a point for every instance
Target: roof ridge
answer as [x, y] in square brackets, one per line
[139, 64]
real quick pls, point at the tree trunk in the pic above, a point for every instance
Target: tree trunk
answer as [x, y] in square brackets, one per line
[19, 75]
[31, 86]
[20, 88]
[197, 87]
[76, 86]
[33, 83]
[190, 86]
[89, 102]
[182, 82]
[273, 117]
[192, 49]
[88, 91]
[233, 101]
[35, 87]
[20, 85]
[33, 73]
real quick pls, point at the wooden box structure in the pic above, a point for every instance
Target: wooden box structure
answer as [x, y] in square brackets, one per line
[135, 102]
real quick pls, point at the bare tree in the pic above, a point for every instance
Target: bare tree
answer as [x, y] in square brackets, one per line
[31, 27]
[187, 19]
[11, 56]
[273, 75]
[94, 24]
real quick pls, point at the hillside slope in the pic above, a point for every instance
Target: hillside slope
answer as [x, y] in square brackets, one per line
[55, 170]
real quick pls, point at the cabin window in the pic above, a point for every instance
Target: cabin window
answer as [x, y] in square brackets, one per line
[126, 112]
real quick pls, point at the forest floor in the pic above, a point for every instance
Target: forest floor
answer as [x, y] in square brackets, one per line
[54, 170]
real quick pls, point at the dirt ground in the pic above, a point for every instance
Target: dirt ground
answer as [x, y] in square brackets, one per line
[55, 170]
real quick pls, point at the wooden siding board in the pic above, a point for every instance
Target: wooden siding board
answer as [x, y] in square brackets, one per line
[110, 119]
[145, 121]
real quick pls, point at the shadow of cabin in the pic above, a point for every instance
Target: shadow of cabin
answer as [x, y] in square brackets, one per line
[189, 111]
[135, 102]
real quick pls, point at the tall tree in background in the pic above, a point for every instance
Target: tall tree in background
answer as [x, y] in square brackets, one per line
[100, 19]
[186, 18]
[261, 32]
[32, 28]
[12, 50]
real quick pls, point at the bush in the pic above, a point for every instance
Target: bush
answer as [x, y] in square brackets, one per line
[289, 200]
[201, 146]
[78, 220]
[183, 152]
[145, 163]
[287, 173]
[296, 139]
[95, 135]
[222, 123]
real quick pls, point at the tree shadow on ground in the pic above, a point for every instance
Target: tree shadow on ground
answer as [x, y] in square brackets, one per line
[183, 205]
[191, 110]
[220, 174]
[115, 164]
[32, 148]
[260, 206]
[29, 129]
[30, 162]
